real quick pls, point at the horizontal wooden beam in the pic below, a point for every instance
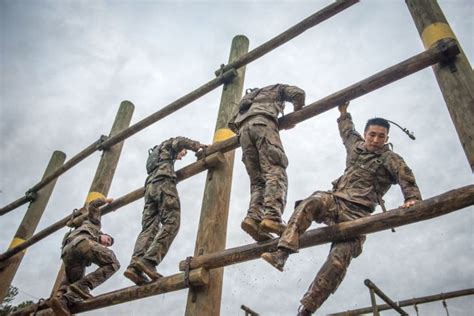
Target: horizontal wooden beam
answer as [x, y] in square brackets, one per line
[226, 74]
[212, 161]
[409, 302]
[167, 284]
[434, 207]
[445, 50]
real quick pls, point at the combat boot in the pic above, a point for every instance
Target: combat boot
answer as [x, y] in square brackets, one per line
[277, 258]
[135, 276]
[302, 311]
[272, 226]
[81, 290]
[59, 306]
[147, 267]
[251, 227]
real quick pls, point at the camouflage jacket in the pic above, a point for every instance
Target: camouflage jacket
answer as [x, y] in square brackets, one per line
[369, 175]
[89, 229]
[167, 153]
[270, 102]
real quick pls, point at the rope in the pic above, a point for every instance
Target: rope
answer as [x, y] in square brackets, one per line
[41, 301]
[416, 309]
[445, 305]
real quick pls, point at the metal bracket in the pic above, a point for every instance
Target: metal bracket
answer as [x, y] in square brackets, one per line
[186, 271]
[449, 51]
[102, 139]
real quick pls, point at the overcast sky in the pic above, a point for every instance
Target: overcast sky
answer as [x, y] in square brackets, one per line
[67, 65]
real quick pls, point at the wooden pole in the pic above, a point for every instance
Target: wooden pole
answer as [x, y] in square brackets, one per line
[209, 162]
[167, 284]
[378, 80]
[374, 289]
[28, 224]
[373, 301]
[249, 311]
[206, 300]
[106, 168]
[365, 86]
[224, 75]
[409, 302]
[455, 77]
[434, 207]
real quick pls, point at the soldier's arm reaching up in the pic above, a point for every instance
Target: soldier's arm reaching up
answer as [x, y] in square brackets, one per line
[346, 128]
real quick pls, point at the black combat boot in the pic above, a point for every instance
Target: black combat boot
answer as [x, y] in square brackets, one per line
[136, 276]
[147, 267]
[302, 311]
[277, 258]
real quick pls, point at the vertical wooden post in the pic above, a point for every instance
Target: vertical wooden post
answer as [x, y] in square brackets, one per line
[106, 168]
[29, 223]
[375, 309]
[455, 78]
[211, 237]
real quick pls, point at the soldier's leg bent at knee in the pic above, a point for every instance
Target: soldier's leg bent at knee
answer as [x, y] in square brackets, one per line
[299, 222]
[108, 265]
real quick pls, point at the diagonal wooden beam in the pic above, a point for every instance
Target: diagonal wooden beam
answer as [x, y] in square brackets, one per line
[433, 207]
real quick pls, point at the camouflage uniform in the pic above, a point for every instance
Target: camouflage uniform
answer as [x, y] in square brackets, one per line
[81, 247]
[367, 177]
[262, 150]
[161, 204]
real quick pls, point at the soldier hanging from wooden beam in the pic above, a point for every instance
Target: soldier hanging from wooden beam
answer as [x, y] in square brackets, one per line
[161, 214]
[371, 168]
[256, 123]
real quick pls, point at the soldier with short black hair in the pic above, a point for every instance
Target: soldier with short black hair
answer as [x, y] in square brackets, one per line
[161, 214]
[371, 168]
[256, 123]
[82, 246]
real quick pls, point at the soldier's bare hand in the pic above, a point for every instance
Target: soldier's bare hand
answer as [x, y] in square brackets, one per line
[408, 203]
[343, 107]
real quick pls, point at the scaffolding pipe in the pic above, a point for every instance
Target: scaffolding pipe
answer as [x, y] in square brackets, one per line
[423, 210]
[225, 74]
[378, 80]
[409, 302]
[374, 289]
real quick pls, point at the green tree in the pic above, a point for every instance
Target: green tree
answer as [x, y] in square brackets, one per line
[6, 307]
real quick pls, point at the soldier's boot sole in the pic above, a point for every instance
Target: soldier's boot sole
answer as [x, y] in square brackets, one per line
[271, 226]
[135, 277]
[58, 307]
[147, 269]
[272, 259]
[77, 290]
[251, 227]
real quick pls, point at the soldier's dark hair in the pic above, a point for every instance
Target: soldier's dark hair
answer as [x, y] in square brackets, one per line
[379, 122]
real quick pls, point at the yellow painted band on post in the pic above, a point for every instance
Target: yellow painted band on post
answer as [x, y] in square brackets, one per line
[435, 32]
[15, 242]
[223, 134]
[94, 195]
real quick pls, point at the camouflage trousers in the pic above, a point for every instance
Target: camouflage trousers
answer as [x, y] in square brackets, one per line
[266, 162]
[77, 255]
[323, 207]
[160, 221]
